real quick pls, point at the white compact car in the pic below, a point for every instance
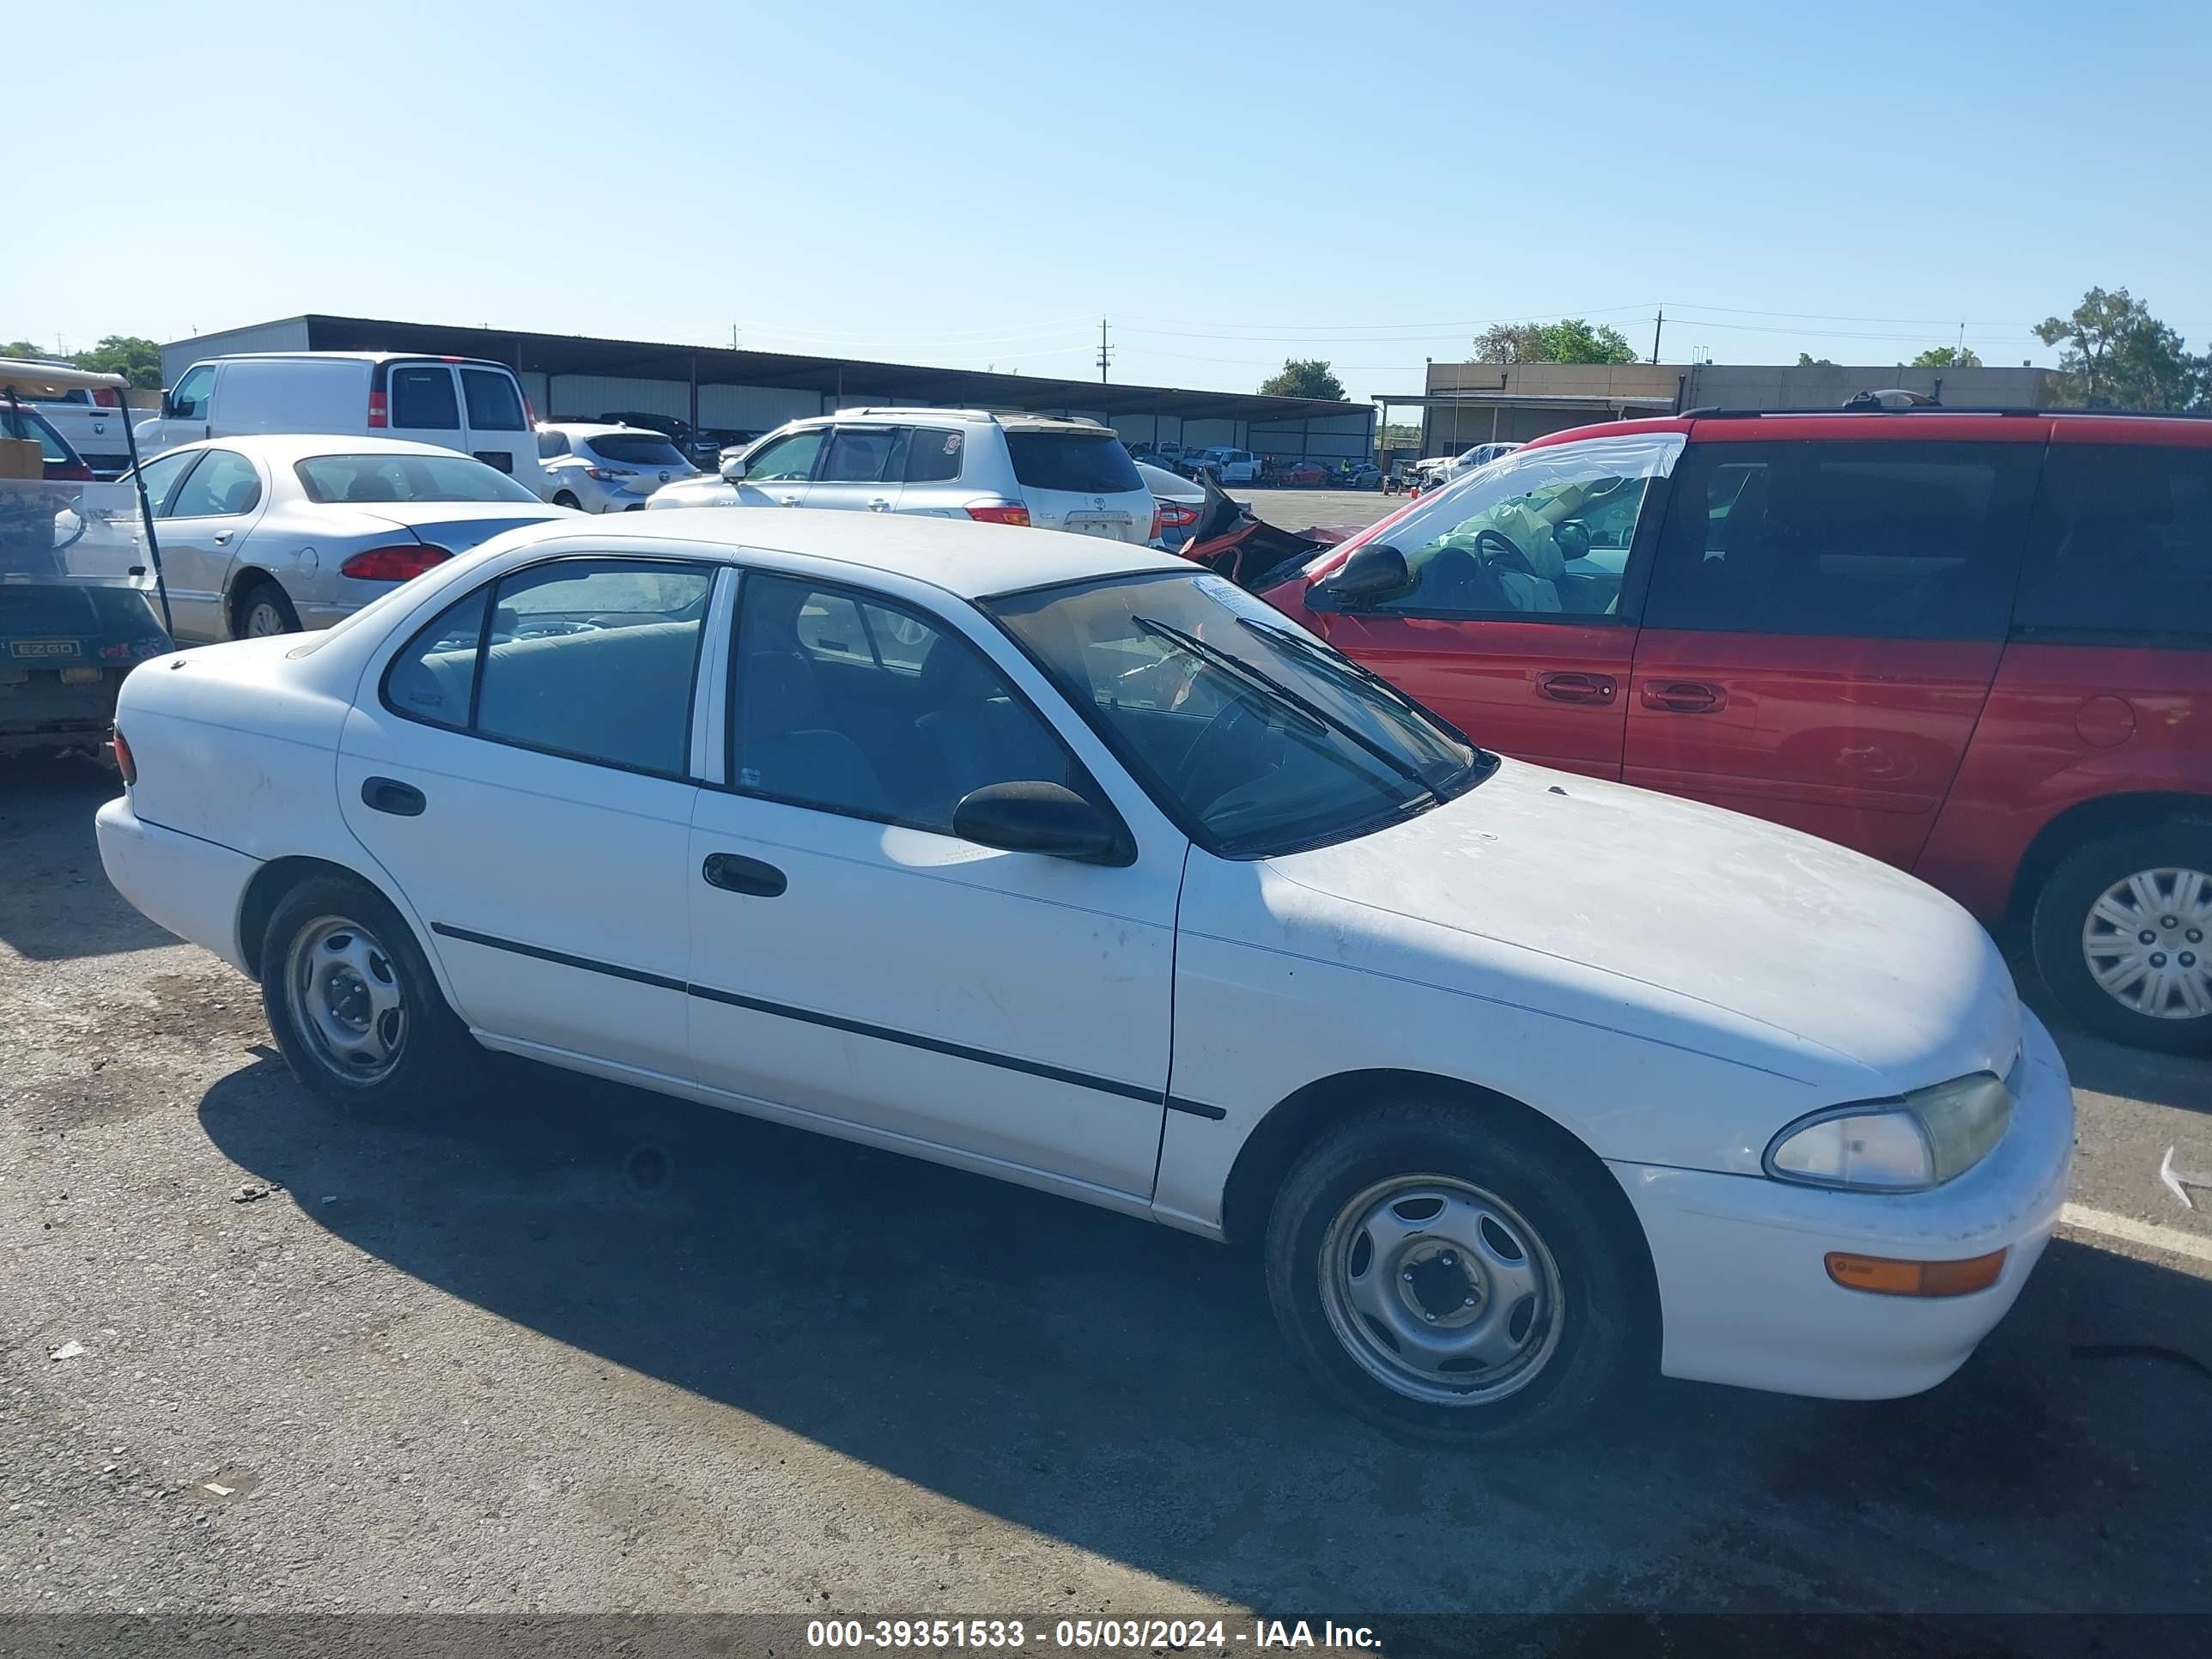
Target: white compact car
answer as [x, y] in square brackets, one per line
[1073, 865]
[268, 535]
[607, 469]
[1036, 469]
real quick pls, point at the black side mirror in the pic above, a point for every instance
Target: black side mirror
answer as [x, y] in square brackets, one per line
[169, 406]
[1374, 573]
[1047, 818]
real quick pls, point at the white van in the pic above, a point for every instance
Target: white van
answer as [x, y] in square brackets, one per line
[457, 403]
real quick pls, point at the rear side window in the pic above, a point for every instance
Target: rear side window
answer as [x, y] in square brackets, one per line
[1086, 463]
[424, 396]
[2122, 542]
[432, 679]
[1862, 540]
[495, 401]
[551, 445]
[932, 456]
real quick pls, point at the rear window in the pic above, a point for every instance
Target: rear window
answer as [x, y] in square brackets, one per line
[2122, 542]
[29, 423]
[638, 449]
[423, 400]
[391, 478]
[1086, 463]
[495, 400]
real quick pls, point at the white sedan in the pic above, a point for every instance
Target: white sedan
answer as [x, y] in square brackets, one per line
[1066, 862]
[269, 534]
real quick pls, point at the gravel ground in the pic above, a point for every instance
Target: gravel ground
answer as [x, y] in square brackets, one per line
[582, 1349]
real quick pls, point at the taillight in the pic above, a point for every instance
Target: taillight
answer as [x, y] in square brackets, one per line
[68, 471]
[1175, 515]
[380, 412]
[1000, 513]
[124, 761]
[1153, 534]
[393, 564]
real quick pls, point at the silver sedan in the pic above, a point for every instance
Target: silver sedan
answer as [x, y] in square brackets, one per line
[270, 534]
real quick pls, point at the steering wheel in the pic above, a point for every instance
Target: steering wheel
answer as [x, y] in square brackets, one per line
[1509, 550]
[1231, 728]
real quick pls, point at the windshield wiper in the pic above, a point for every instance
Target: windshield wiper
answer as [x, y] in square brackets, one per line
[1312, 714]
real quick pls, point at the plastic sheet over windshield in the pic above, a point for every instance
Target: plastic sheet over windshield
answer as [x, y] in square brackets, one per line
[81, 533]
[1252, 734]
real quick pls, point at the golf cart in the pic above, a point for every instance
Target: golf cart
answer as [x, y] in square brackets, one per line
[80, 578]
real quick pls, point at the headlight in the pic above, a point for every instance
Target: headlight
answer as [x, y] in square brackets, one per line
[1921, 1141]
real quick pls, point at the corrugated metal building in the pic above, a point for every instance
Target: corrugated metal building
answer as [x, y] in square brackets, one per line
[581, 377]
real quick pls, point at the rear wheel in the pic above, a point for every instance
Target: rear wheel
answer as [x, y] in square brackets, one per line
[1450, 1279]
[353, 1002]
[563, 498]
[263, 609]
[2123, 935]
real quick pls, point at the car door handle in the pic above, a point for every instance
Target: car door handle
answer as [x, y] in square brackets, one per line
[788, 500]
[402, 800]
[1577, 688]
[735, 874]
[222, 537]
[1684, 696]
[879, 504]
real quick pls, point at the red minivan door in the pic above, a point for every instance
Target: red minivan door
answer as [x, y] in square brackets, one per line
[1828, 602]
[1513, 628]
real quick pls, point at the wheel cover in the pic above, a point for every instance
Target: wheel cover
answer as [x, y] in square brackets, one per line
[2145, 943]
[347, 1002]
[1440, 1291]
[263, 619]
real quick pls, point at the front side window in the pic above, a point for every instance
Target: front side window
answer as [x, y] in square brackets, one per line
[388, 478]
[863, 455]
[423, 400]
[786, 460]
[2122, 542]
[1545, 538]
[1864, 540]
[1252, 734]
[495, 401]
[188, 401]
[160, 476]
[850, 704]
[223, 485]
[590, 658]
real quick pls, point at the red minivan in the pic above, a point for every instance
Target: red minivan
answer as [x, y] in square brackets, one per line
[1975, 646]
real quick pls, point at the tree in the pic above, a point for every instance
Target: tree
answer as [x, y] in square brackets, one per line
[1570, 340]
[1947, 357]
[24, 349]
[138, 360]
[2118, 355]
[1303, 377]
[1807, 360]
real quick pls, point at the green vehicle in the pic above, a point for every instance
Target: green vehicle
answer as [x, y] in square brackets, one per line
[81, 600]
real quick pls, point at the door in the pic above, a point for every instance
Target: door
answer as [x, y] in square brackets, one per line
[1824, 621]
[187, 413]
[852, 959]
[522, 774]
[499, 432]
[202, 529]
[862, 471]
[424, 405]
[1516, 628]
[780, 472]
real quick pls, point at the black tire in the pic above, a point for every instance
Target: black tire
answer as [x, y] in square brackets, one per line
[260, 592]
[434, 1060]
[563, 498]
[2063, 911]
[1605, 1318]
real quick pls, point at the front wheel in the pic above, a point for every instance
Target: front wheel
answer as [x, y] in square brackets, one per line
[2122, 936]
[1450, 1279]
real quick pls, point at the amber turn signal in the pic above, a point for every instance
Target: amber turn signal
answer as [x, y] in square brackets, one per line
[1885, 1276]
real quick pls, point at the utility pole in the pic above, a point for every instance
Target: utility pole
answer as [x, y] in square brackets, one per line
[1657, 323]
[1105, 351]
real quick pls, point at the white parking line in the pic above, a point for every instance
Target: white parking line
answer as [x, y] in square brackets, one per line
[2149, 1233]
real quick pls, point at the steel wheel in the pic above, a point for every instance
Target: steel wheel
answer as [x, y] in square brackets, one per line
[347, 1002]
[1441, 1291]
[2144, 942]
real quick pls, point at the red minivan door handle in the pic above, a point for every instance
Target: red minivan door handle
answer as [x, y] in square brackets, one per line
[1577, 688]
[1684, 696]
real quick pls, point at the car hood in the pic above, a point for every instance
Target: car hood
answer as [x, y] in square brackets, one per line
[460, 526]
[1703, 918]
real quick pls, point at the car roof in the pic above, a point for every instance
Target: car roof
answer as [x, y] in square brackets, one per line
[347, 357]
[970, 560]
[597, 430]
[1933, 424]
[280, 448]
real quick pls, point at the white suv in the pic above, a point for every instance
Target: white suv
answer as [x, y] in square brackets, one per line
[1036, 470]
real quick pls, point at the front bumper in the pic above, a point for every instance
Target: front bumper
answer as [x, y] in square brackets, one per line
[1744, 1293]
[193, 888]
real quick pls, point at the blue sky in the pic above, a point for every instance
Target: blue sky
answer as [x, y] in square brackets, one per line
[977, 184]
